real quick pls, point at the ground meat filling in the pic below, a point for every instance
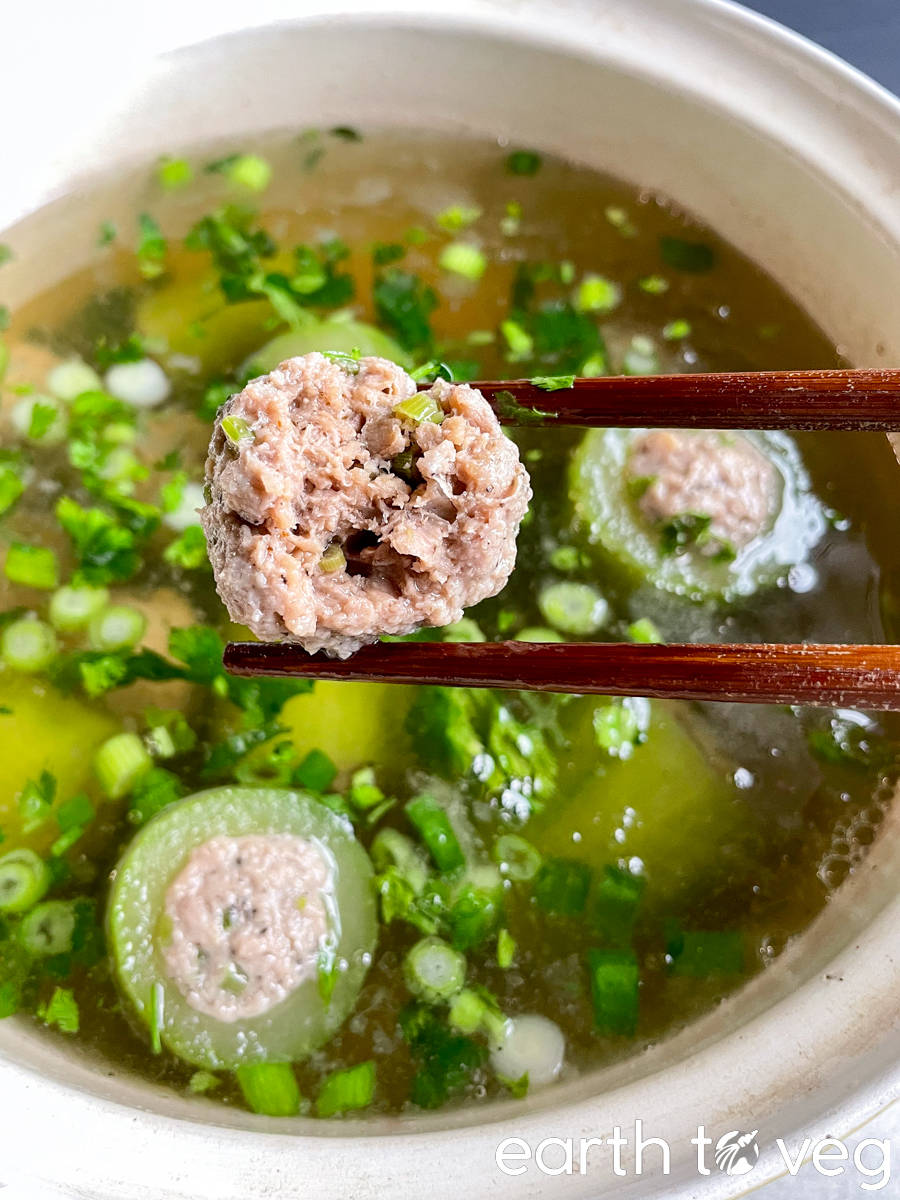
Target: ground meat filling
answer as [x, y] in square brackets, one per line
[332, 520]
[721, 480]
[248, 917]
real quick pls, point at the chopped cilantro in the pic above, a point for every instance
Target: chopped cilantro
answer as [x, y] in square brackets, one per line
[653, 285]
[189, 551]
[74, 812]
[151, 248]
[384, 253]
[106, 550]
[42, 417]
[676, 330]
[553, 383]
[153, 791]
[107, 234]
[464, 259]
[4, 318]
[404, 304]
[432, 370]
[345, 133]
[523, 162]
[446, 1061]
[687, 529]
[6, 254]
[62, 1011]
[510, 410]
[317, 772]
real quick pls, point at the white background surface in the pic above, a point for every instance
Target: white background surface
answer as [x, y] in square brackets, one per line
[62, 58]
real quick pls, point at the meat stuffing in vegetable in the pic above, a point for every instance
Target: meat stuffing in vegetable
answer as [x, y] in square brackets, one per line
[344, 505]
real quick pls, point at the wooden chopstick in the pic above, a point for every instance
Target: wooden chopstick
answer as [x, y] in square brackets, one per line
[827, 676]
[854, 399]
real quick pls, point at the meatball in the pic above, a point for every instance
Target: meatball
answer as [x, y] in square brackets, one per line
[334, 517]
[723, 478]
[247, 918]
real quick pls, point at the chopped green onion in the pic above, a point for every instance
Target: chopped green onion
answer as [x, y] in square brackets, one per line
[565, 558]
[270, 1088]
[474, 915]
[116, 628]
[467, 1011]
[28, 645]
[11, 485]
[66, 841]
[120, 762]
[676, 330]
[615, 904]
[249, 171]
[509, 224]
[707, 954]
[344, 1091]
[575, 608]
[619, 220]
[520, 342]
[457, 216]
[517, 859]
[553, 383]
[62, 1011]
[461, 258]
[645, 632]
[333, 559]
[434, 971]
[653, 285]
[76, 811]
[423, 406]
[174, 173]
[391, 848]
[48, 928]
[317, 772]
[151, 248]
[203, 1081]
[506, 949]
[615, 984]
[24, 878]
[157, 1008]
[32, 566]
[433, 825]
[72, 608]
[597, 294]
[430, 371]
[71, 379]
[561, 887]
[523, 162]
[538, 633]
[237, 430]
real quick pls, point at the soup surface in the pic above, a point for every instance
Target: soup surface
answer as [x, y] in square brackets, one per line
[614, 867]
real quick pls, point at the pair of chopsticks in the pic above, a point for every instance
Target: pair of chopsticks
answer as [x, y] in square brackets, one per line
[832, 676]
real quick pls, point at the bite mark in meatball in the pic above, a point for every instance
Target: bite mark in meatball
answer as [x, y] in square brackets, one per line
[335, 520]
[709, 475]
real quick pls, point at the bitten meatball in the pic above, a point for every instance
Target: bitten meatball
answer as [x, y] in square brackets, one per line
[718, 476]
[339, 512]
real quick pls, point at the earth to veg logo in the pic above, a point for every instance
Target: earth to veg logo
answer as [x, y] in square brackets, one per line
[734, 1153]
[737, 1153]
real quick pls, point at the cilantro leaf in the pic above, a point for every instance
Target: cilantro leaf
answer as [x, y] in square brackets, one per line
[694, 258]
[510, 410]
[553, 383]
[404, 304]
[105, 549]
[188, 551]
[200, 648]
[153, 791]
[151, 248]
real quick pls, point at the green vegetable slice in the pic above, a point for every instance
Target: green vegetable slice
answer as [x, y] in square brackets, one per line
[607, 512]
[296, 1026]
[335, 336]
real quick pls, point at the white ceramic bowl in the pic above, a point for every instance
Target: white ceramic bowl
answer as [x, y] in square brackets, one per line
[794, 158]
